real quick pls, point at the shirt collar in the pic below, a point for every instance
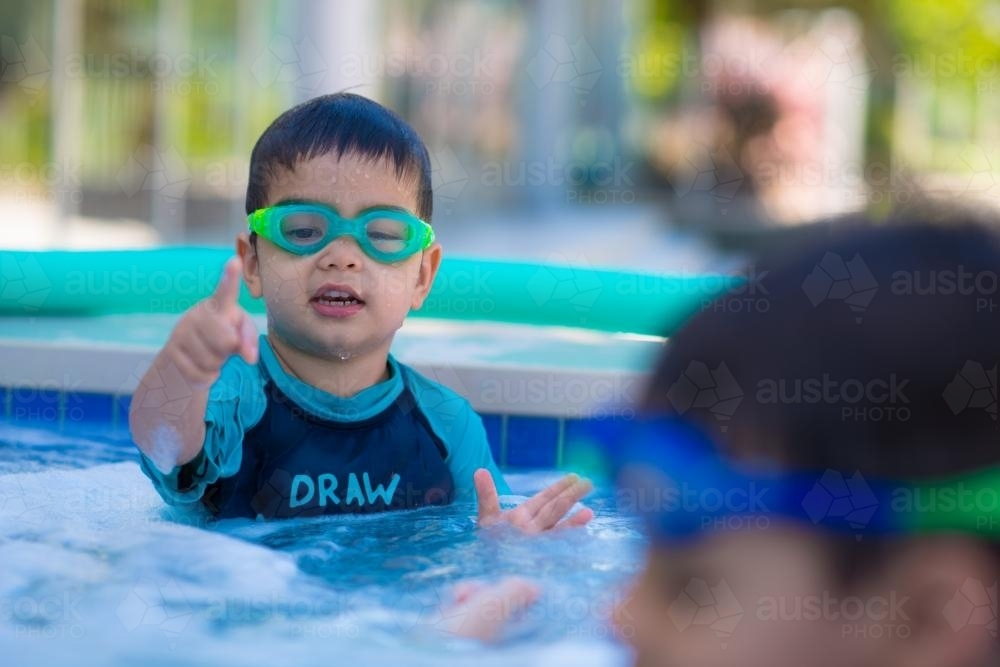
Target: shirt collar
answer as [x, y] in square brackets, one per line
[363, 405]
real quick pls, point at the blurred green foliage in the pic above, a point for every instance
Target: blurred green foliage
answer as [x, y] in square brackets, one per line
[948, 47]
[119, 65]
[965, 30]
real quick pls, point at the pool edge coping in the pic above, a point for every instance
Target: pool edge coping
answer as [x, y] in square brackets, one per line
[113, 369]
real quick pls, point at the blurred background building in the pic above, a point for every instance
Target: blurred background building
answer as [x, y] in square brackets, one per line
[646, 133]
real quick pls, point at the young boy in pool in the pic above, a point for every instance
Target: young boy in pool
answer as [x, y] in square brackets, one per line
[316, 417]
[873, 540]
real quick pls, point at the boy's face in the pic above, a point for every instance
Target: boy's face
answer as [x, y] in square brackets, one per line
[291, 284]
[720, 581]
[766, 598]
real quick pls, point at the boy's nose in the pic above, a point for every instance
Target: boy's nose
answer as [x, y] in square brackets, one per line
[341, 253]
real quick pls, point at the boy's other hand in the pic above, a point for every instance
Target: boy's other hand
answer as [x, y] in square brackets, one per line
[486, 609]
[543, 511]
[214, 330]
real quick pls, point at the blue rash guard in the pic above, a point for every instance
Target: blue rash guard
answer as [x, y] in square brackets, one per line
[277, 447]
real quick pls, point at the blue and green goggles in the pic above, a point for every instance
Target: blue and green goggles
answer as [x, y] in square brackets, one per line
[385, 234]
[673, 474]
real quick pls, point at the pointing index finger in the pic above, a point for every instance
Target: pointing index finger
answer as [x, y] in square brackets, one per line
[228, 290]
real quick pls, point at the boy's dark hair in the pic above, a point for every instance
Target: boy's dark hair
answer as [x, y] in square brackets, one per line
[902, 323]
[342, 124]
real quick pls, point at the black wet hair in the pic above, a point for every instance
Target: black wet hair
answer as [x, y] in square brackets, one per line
[342, 124]
[931, 328]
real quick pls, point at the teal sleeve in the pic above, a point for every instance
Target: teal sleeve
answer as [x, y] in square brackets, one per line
[460, 428]
[235, 404]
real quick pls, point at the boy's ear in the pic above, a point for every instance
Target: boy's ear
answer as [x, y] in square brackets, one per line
[251, 264]
[430, 262]
[943, 593]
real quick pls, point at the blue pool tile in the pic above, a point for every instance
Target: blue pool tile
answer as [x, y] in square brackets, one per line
[582, 429]
[81, 406]
[494, 434]
[532, 441]
[582, 452]
[120, 405]
[34, 404]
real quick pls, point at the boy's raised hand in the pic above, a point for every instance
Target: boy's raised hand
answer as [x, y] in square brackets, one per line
[214, 330]
[543, 511]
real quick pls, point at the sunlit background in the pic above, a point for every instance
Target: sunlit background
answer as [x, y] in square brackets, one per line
[664, 140]
[666, 134]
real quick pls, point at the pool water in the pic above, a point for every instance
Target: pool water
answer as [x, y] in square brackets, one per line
[98, 571]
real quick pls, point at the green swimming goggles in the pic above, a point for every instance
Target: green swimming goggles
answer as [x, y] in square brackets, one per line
[385, 234]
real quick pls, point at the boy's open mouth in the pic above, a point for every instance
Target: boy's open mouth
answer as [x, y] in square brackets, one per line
[335, 299]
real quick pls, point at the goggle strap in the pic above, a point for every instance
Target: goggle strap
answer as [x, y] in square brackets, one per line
[671, 456]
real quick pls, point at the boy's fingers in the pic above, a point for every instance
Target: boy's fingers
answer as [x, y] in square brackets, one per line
[581, 518]
[550, 515]
[478, 613]
[486, 494]
[193, 364]
[515, 594]
[209, 342]
[534, 504]
[249, 340]
[228, 290]
[218, 337]
[463, 590]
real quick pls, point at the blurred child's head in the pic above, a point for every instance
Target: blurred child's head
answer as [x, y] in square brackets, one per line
[872, 353]
[349, 155]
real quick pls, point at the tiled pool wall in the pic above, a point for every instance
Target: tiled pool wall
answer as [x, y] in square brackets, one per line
[517, 441]
[537, 390]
